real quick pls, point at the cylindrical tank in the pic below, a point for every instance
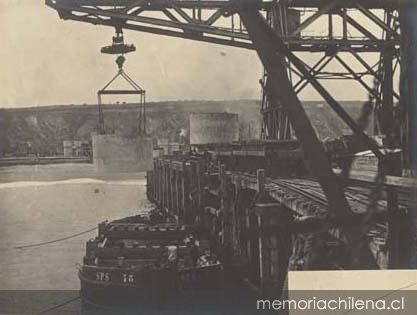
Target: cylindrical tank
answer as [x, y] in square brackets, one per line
[213, 128]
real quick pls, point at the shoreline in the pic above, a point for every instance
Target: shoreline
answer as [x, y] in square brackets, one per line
[43, 160]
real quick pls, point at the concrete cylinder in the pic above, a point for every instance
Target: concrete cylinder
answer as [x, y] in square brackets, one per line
[213, 128]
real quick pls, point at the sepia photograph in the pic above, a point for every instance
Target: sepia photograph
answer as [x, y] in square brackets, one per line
[208, 157]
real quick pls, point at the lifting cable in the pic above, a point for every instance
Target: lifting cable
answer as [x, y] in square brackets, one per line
[58, 306]
[56, 240]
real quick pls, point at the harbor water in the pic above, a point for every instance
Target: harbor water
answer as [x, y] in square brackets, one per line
[41, 203]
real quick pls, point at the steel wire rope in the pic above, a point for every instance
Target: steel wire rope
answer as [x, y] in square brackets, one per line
[58, 306]
[56, 240]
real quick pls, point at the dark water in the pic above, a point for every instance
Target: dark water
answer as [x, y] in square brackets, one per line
[47, 202]
[43, 203]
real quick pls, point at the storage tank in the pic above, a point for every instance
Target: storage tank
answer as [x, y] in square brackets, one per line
[214, 128]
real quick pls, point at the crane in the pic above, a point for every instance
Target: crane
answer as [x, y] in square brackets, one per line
[276, 31]
[120, 48]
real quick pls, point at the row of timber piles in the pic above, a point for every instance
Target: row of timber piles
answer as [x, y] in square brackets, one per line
[261, 234]
[176, 186]
[249, 229]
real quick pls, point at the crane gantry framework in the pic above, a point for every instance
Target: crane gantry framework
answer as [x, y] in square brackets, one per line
[340, 38]
[216, 21]
[279, 31]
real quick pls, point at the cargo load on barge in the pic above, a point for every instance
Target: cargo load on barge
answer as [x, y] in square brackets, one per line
[137, 257]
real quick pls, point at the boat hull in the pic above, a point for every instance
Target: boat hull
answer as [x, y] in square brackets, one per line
[114, 299]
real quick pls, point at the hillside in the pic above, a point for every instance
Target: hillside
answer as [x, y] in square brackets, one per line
[44, 128]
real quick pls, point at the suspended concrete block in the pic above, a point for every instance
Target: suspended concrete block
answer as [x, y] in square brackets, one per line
[117, 153]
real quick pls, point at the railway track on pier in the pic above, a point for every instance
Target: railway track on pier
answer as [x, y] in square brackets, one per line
[357, 196]
[308, 191]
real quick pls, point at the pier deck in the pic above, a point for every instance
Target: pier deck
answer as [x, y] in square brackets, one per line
[261, 220]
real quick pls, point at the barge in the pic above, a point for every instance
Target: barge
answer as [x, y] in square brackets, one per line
[148, 260]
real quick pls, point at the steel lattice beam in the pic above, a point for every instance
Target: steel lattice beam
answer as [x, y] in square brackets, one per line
[209, 21]
[228, 23]
[216, 21]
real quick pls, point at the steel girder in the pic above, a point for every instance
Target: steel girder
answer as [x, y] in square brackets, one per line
[216, 21]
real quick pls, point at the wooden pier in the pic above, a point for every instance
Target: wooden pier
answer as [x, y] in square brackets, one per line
[268, 225]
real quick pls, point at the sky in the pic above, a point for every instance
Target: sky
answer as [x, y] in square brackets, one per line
[48, 61]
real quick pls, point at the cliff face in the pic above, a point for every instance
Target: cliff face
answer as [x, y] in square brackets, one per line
[43, 129]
